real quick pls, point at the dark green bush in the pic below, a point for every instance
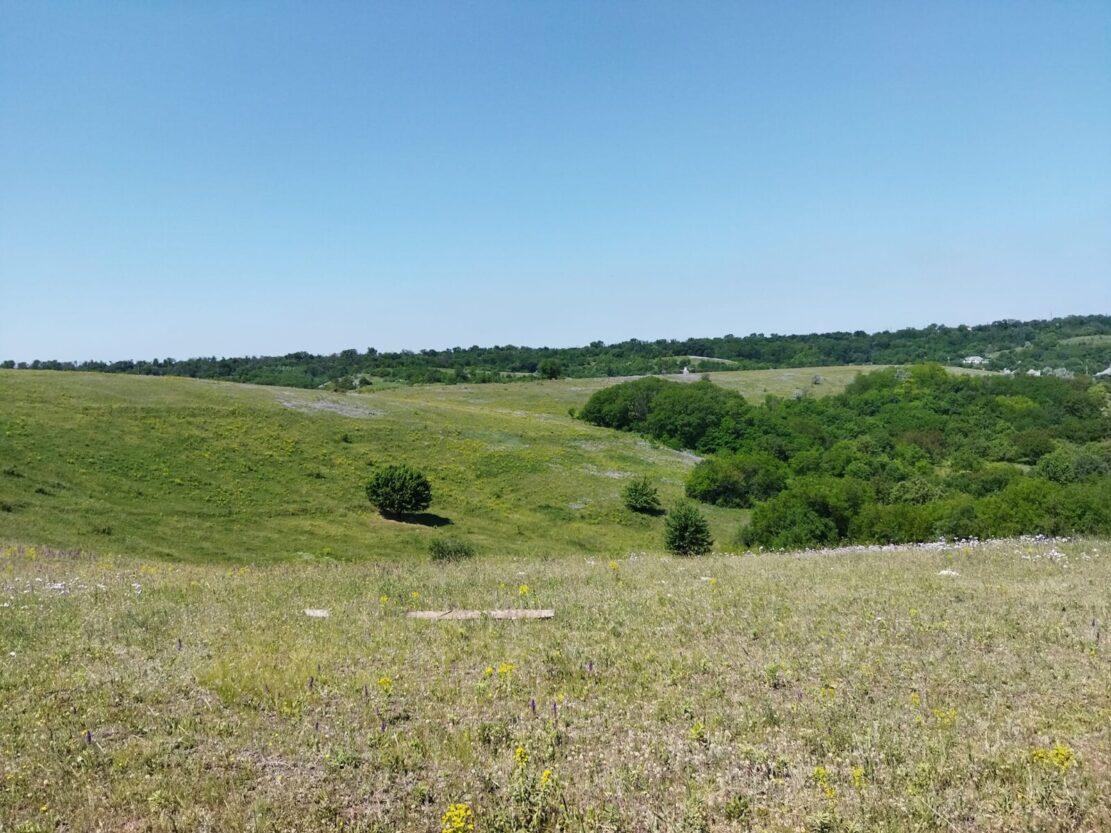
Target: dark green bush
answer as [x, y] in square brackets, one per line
[1031, 446]
[1069, 464]
[641, 496]
[698, 415]
[915, 490]
[399, 489]
[985, 481]
[686, 531]
[787, 521]
[957, 518]
[450, 549]
[898, 523]
[737, 479]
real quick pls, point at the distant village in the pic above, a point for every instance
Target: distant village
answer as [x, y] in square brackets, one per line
[1059, 372]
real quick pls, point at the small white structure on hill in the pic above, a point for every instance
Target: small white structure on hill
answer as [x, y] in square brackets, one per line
[973, 361]
[1106, 372]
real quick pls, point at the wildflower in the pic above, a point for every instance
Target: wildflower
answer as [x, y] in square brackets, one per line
[458, 818]
[858, 778]
[523, 589]
[1060, 756]
[488, 671]
[383, 600]
[545, 778]
[386, 685]
[945, 717]
[505, 669]
[821, 778]
[614, 566]
[415, 596]
[520, 755]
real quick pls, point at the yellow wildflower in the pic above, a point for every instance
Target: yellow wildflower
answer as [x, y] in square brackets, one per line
[458, 818]
[1060, 756]
[520, 754]
[523, 589]
[821, 778]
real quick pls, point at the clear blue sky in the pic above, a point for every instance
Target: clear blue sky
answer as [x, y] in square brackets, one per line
[181, 179]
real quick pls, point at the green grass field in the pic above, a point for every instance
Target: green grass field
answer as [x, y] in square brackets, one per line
[859, 691]
[167, 678]
[198, 471]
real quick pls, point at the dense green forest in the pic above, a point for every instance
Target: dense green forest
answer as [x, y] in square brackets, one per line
[1077, 344]
[903, 454]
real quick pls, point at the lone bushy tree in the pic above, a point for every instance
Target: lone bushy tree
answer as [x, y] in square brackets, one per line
[686, 531]
[640, 496]
[398, 489]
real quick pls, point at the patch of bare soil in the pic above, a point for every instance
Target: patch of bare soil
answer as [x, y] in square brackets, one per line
[347, 409]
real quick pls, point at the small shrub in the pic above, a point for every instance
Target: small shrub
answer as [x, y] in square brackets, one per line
[550, 369]
[916, 491]
[641, 496]
[450, 549]
[686, 531]
[399, 489]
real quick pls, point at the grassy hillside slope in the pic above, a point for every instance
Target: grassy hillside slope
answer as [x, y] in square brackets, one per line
[900, 689]
[190, 469]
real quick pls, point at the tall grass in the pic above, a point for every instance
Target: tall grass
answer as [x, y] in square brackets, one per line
[958, 688]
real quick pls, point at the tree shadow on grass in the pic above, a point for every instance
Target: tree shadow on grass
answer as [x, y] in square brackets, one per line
[419, 518]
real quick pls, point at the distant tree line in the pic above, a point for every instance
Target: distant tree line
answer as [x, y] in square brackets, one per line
[1077, 344]
[903, 454]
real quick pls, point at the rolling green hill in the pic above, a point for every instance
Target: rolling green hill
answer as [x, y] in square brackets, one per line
[199, 470]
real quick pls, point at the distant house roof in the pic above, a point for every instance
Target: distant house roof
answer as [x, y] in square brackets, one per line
[973, 360]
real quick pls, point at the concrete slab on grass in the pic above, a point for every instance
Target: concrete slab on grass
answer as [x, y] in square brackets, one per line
[519, 613]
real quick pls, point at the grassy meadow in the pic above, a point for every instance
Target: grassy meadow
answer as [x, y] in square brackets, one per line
[963, 688]
[161, 540]
[196, 470]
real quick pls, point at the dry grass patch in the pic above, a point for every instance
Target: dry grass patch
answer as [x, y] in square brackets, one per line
[851, 691]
